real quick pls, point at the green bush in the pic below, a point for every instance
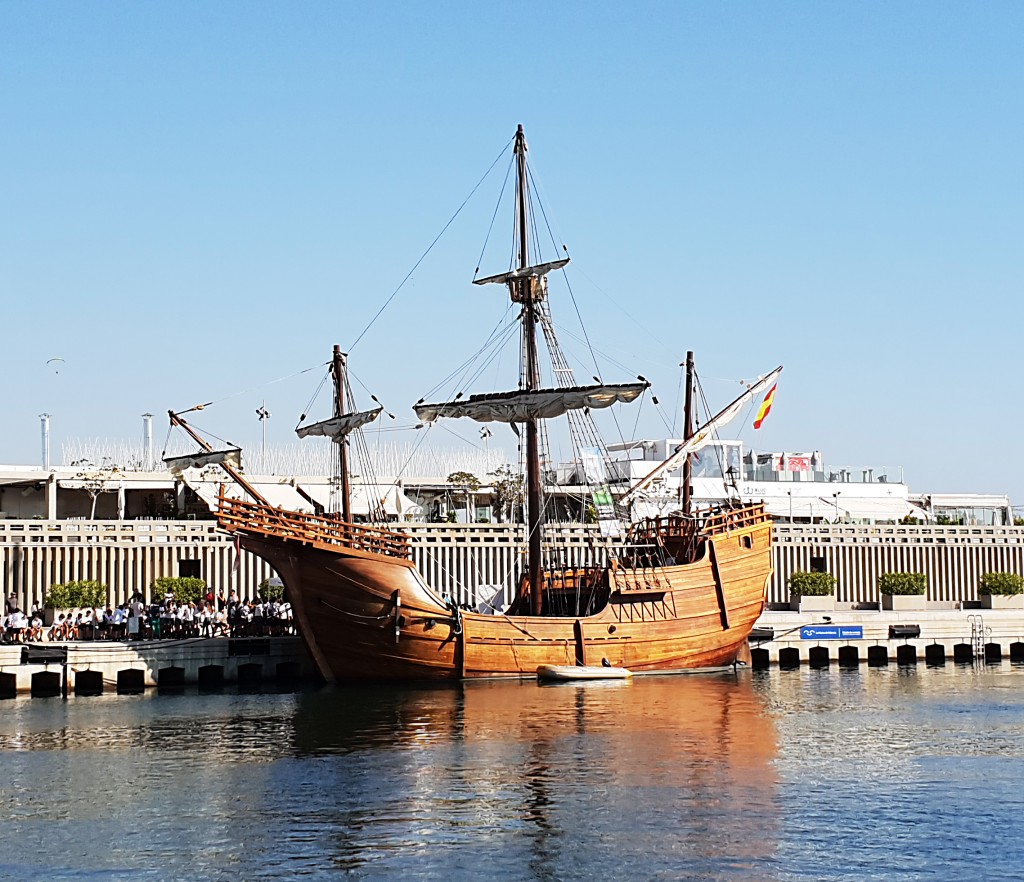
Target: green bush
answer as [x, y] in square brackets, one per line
[804, 584]
[1001, 583]
[186, 589]
[903, 583]
[73, 595]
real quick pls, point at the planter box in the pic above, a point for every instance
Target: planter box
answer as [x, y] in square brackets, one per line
[1001, 601]
[813, 603]
[904, 601]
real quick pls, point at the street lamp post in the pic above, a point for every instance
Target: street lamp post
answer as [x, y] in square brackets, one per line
[263, 415]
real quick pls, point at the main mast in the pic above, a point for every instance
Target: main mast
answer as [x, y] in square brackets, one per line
[527, 289]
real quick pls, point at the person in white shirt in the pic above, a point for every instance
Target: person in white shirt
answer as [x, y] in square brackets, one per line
[116, 625]
[59, 629]
[17, 624]
[85, 625]
[135, 611]
[100, 623]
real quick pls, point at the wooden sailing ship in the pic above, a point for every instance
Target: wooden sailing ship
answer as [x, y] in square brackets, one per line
[677, 593]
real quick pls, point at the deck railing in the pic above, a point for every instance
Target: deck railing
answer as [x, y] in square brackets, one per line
[706, 523]
[252, 517]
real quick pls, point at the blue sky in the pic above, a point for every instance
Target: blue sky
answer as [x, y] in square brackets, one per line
[202, 198]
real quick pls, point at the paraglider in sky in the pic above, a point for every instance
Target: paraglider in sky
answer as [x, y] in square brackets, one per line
[56, 362]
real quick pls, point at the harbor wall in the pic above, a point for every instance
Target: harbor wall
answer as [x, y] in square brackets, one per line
[472, 562]
[921, 635]
[95, 667]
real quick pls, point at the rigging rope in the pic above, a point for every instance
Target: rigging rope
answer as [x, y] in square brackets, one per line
[497, 205]
[423, 256]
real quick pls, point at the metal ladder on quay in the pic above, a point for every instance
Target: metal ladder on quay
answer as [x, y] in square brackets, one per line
[978, 634]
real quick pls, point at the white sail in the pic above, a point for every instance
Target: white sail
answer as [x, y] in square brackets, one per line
[338, 427]
[703, 436]
[539, 404]
[231, 458]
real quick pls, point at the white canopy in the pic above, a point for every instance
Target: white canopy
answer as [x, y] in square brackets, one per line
[279, 494]
[110, 483]
[808, 507]
[366, 496]
[823, 507]
[880, 509]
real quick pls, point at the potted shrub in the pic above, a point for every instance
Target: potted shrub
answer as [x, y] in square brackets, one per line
[903, 590]
[186, 589]
[73, 595]
[811, 592]
[1001, 591]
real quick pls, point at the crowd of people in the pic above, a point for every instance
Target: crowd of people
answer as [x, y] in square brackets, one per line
[18, 627]
[162, 619]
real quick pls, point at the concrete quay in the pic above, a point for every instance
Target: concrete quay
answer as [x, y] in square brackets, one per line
[97, 667]
[851, 637]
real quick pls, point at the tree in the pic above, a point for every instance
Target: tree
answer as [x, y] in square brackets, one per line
[467, 482]
[507, 488]
[94, 480]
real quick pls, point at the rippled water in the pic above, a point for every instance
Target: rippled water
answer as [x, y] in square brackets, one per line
[872, 774]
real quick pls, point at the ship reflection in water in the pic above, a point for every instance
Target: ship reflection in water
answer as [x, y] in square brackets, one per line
[660, 777]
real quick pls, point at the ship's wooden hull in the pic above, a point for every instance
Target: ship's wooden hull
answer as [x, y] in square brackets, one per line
[371, 616]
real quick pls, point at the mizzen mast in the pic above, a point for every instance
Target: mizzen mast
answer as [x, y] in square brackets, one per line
[338, 366]
[687, 503]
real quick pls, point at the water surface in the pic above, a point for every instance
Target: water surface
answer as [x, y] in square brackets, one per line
[898, 774]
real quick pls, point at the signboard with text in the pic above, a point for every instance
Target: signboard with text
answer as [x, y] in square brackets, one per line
[832, 632]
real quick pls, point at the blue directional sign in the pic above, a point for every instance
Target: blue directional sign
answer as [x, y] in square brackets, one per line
[832, 632]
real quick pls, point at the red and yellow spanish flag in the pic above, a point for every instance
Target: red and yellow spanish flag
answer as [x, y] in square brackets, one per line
[766, 406]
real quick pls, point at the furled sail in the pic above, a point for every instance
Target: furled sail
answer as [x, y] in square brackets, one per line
[702, 436]
[539, 404]
[524, 272]
[231, 458]
[338, 427]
